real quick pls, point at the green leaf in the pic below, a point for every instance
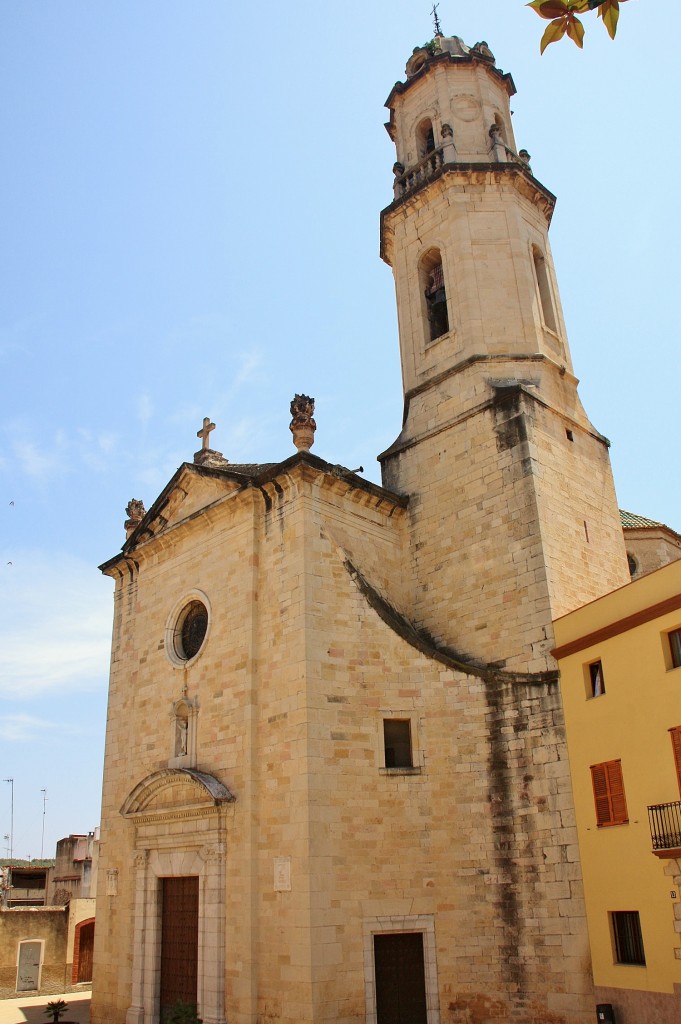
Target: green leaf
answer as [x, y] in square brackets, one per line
[555, 31]
[575, 30]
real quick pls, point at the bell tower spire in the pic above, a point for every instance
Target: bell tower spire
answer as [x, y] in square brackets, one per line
[514, 514]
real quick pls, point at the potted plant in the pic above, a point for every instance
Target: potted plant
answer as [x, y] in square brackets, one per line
[181, 1013]
[56, 1009]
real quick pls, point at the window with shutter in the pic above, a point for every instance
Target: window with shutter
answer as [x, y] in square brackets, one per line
[608, 787]
[676, 747]
[675, 647]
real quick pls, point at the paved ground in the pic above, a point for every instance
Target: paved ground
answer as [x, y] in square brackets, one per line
[32, 1008]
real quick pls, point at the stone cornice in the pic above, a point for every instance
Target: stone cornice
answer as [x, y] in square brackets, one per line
[402, 443]
[489, 174]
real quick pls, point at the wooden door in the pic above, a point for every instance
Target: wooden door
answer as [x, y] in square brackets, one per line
[179, 940]
[400, 978]
[86, 941]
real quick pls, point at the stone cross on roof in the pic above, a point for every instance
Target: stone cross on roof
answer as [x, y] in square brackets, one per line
[204, 432]
[206, 456]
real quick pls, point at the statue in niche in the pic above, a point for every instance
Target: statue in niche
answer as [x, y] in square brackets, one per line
[181, 736]
[182, 739]
[436, 302]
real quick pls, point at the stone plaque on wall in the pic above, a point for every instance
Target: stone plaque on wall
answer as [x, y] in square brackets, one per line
[282, 874]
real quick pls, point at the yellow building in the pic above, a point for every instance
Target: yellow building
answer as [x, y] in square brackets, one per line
[620, 664]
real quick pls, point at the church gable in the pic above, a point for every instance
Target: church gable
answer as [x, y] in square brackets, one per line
[190, 491]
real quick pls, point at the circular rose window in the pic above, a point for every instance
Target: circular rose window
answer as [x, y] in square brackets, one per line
[190, 630]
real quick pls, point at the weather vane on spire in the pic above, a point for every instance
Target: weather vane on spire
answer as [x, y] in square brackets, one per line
[436, 20]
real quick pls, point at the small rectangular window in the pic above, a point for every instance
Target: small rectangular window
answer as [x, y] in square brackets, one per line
[596, 679]
[397, 740]
[675, 647]
[627, 936]
[608, 787]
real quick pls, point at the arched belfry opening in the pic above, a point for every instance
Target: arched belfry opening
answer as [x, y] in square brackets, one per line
[425, 138]
[435, 294]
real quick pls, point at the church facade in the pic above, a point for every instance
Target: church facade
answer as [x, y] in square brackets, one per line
[336, 786]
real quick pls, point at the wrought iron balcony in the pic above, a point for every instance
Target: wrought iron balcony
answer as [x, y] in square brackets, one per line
[665, 827]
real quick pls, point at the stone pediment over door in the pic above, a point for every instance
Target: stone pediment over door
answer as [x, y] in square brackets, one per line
[175, 793]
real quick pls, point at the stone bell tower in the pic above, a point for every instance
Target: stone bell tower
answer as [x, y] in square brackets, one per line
[514, 514]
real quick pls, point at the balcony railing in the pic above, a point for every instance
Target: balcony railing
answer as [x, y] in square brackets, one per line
[412, 178]
[665, 826]
[419, 173]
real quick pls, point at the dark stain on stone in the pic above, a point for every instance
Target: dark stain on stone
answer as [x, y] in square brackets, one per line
[510, 424]
[501, 796]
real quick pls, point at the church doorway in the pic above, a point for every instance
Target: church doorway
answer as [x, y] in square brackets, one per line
[400, 978]
[179, 940]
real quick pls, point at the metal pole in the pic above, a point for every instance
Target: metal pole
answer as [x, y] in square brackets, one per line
[11, 820]
[11, 840]
[42, 838]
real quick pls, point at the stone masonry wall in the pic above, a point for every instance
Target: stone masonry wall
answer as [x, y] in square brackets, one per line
[482, 837]
[516, 524]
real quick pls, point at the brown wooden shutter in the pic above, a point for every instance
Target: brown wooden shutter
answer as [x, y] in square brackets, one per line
[608, 786]
[676, 746]
[618, 801]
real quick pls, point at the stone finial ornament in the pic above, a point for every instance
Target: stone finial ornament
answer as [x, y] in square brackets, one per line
[135, 511]
[302, 426]
[483, 49]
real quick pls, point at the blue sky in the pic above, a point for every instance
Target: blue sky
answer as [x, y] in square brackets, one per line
[189, 210]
